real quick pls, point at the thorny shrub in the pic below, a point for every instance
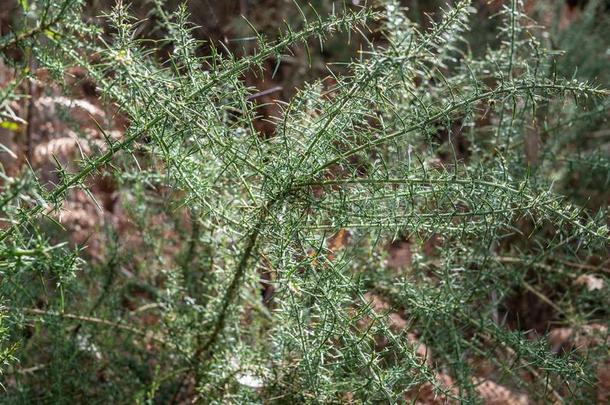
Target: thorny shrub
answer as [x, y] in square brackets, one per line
[426, 224]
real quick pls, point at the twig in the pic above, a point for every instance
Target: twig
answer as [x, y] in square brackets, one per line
[30, 112]
[127, 328]
[504, 259]
[543, 297]
[204, 350]
[14, 39]
[264, 93]
[31, 370]
[580, 266]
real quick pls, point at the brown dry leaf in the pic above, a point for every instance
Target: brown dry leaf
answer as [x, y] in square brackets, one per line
[427, 395]
[335, 243]
[584, 338]
[421, 350]
[377, 303]
[591, 335]
[70, 146]
[558, 338]
[489, 392]
[603, 383]
[81, 219]
[59, 147]
[399, 255]
[51, 102]
[590, 281]
[396, 323]
[339, 240]
[495, 394]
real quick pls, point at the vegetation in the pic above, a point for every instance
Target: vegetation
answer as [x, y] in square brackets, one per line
[426, 222]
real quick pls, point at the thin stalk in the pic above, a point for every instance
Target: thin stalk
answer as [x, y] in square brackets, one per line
[59, 192]
[12, 39]
[204, 350]
[451, 108]
[98, 321]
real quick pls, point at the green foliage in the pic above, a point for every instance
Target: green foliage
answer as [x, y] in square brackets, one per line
[419, 141]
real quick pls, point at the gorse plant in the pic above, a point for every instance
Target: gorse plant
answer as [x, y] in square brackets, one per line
[457, 157]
